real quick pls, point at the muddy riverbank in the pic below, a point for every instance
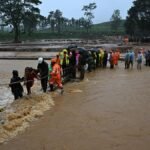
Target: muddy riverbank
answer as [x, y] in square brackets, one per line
[109, 110]
[56, 45]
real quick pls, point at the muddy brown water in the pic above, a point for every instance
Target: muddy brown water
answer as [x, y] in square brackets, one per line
[6, 67]
[109, 110]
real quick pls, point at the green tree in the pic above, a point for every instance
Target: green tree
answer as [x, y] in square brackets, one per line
[131, 23]
[88, 13]
[81, 22]
[65, 23]
[77, 23]
[73, 22]
[14, 13]
[58, 17]
[31, 19]
[138, 19]
[52, 20]
[2, 23]
[115, 20]
[42, 22]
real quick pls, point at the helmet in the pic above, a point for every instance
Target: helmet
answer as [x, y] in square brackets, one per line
[40, 60]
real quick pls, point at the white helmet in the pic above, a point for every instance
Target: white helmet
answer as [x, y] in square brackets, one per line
[40, 60]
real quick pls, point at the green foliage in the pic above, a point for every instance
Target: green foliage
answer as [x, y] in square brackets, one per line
[56, 19]
[97, 31]
[58, 23]
[51, 20]
[14, 12]
[89, 15]
[31, 19]
[115, 20]
[138, 19]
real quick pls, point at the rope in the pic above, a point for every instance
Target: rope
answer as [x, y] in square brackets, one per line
[9, 84]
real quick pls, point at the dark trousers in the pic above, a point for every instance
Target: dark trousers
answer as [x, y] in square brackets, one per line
[131, 63]
[89, 67]
[44, 84]
[65, 70]
[17, 94]
[28, 89]
[111, 66]
[73, 71]
[147, 62]
[126, 64]
[82, 72]
[104, 63]
[28, 86]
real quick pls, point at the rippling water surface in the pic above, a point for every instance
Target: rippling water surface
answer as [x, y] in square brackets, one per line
[6, 68]
[109, 110]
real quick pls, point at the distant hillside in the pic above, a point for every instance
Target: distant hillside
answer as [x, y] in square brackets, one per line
[105, 27]
[97, 31]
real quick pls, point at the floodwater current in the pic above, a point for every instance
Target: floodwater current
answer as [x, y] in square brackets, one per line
[109, 110]
[15, 116]
[6, 68]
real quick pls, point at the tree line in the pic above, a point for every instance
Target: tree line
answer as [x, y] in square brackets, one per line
[24, 16]
[137, 23]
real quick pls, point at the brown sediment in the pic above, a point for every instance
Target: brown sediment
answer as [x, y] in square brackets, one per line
[109, 110]
[22, 113]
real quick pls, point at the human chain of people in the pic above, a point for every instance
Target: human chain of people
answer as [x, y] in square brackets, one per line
[68, 63]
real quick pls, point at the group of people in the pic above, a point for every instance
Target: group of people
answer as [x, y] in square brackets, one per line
[65, 66]
[42, 73]
[130, 58]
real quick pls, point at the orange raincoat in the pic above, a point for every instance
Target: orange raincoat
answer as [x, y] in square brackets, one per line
[116, 57]
[56, 75]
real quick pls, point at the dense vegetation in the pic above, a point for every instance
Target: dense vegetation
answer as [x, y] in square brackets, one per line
[96, 31]
[138, 19]
[24, 22]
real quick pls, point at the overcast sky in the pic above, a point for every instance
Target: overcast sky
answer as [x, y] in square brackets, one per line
[72, 8]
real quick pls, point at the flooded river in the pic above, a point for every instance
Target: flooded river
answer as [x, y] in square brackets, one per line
[6, 68]
[109, 110]
[15, 116]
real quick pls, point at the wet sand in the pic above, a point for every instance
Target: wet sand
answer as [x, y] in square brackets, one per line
[109, 110]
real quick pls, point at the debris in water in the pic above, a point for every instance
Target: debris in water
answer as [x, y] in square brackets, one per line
[76, 91]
